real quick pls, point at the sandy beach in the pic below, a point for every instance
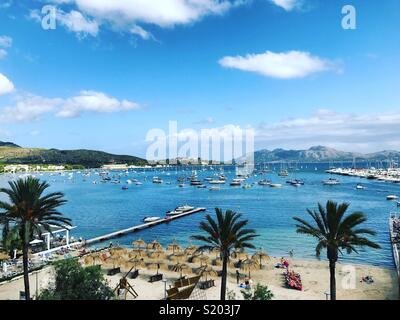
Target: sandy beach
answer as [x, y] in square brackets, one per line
[314, 273]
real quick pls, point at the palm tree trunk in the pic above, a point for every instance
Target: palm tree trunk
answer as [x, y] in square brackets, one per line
[332, 266]
[224, 274]
[25, 260]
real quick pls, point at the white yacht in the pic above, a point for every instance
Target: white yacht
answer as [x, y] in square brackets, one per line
[180, 210]
[151, 219]
[392, 197]
[331, 182]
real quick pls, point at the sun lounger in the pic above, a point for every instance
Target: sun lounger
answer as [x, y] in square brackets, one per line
[156, 277]
[114, 271]
[204, 285]
[134, 274]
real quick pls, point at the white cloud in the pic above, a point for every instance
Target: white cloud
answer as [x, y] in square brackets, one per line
[76, 22]
[6, 86]
[351, 132]
[29, 107]
[141, 32]
[3, 53]
[286, 65]
[93, 101]
[288, 5]
[127, 15]
[5, 41]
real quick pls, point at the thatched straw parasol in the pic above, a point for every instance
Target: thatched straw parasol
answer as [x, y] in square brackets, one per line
[179, 267]
[216, 251]
[139, 243]
[206, 271]
[118, 251]
[260, 256]
[137, 253]
[113, 261]
[4, 256]
[154, 245]
[239, 254]
[174, 247]
[157, 254]
[155, 265]
[190, 250]
[202, 258]
[177, 256]
[134, 263]
[248, 265]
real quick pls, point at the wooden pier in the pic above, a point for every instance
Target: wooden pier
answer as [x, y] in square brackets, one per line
[143, 226]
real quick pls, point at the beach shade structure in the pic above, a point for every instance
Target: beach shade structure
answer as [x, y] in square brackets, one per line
[137, 253]
[260, 256]
[156, 265]
[139, 243]
[154, 245]
[118, 251]
[179, 267]
[177, 256]
[157, 254]
[249, 265]
[239, 254]
[174, 247]
[201, 258]
[190, 250]
[215, 251]
[113, 260]
[134, 263]
[4, 256]
[206, 271]
[92, 258]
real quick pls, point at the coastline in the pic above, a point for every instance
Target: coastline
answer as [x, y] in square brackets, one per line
[314, 273]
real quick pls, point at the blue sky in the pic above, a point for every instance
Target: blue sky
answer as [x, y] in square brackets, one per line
[107, 74]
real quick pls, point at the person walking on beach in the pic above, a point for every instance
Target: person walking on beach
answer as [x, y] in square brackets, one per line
[237, 276]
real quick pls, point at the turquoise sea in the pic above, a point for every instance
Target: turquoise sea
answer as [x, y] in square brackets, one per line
[97, 209]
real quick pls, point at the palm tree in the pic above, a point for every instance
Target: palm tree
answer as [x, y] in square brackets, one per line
[31, 211]
[336, 232]
[226, 233]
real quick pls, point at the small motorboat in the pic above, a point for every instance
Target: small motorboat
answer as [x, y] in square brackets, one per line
[360, 187]
[331, 182]
[151, 219]
[398, 203]
[125, 188]
[214, 188]
[392, 197]
[236, 182]
[275, 185]
[264, 182]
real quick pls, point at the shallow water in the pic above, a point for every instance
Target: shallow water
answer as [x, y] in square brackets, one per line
[97, 209]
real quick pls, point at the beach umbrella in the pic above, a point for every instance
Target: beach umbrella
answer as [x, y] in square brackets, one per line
[135, 253]
[190, 250]
[217, 252]
[179, 267]
[174, 246]
[206, 272]
[249, 265]
[4, 256]
[113, 261]
[260, 256]
[139, 243]
[154, 245]
[155, 265]
[135, 262]
[177, 256]
[157, 254]
[117, 251]
[202, 258]
[239, 254]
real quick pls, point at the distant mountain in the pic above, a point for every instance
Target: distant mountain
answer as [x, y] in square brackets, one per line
[321, 154]
[10, 153]
[8, 144]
